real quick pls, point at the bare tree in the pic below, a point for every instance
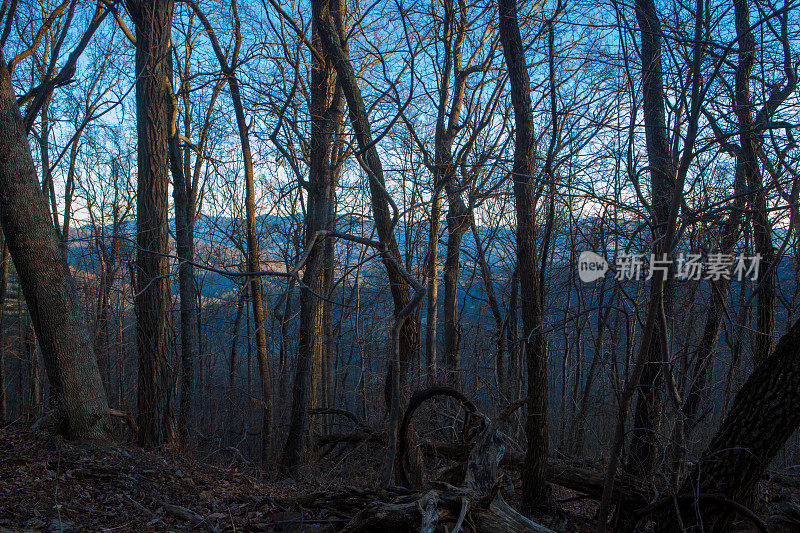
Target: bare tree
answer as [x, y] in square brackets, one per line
[185, 186]
[253, 261]
[326, 108]
[534, 475]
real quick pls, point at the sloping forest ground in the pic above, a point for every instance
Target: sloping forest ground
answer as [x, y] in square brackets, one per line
[50, 484]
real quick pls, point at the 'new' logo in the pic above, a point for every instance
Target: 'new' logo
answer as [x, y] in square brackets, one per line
[591, 266]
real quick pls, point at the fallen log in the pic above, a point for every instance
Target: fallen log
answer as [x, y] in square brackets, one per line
[477, 500]
[352, 438]
[480, 499]
[628, 490]
[190, 516]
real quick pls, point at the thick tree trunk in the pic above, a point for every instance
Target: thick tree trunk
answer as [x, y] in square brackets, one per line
[45, 280]
[4, 264]
[153, 21]
[763, 416]
[327, 110]
[534, 471]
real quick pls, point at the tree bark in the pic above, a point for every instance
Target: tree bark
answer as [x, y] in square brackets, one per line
[59, 321]
[3, 288]
[457, 225]
[153, 21]
[534, 471]
[432, 272]
[327, 111]
[190, 334]
[763, 416]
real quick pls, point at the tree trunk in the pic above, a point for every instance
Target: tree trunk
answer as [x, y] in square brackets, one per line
[405, 333]
[237, 322]
[748, 159]
[104, 292]
[647, 415]
[491, 297]
[3, 288]
[379, 197]
[190, 335]
[153, 21]
[514, 377]
[45, 280]
[763, 416]
[534, 471]
[432, 272]
[457, 225]
[327, 110]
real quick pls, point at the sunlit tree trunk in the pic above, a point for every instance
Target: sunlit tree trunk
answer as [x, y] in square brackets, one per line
[327, 111]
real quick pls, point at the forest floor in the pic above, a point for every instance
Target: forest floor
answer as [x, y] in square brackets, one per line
[49, 484]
